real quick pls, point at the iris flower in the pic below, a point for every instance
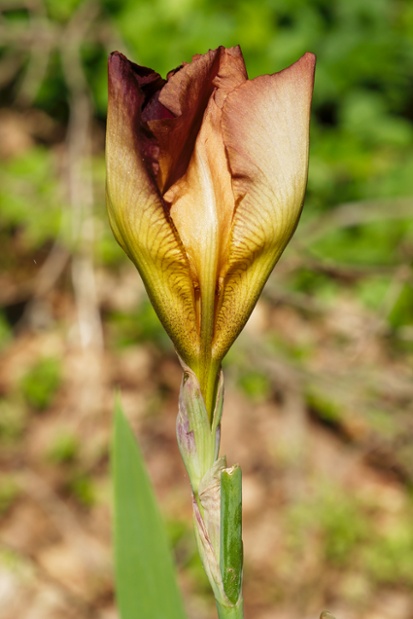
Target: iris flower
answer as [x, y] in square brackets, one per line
[206, 175]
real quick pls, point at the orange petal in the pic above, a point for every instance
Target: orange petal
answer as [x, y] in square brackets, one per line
[265, 124]
[186, 95]
[202, 200]
[201, 208]
[138, 215]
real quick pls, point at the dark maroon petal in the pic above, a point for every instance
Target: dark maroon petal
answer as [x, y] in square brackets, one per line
[137, 213]
[166, 115]
[135, 89]
[151, 84]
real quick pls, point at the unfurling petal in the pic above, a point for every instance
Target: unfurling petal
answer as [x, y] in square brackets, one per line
[206, 173]
[186, 95]
[139, 217]
[202, 199]
[265, 125]
[201, 202]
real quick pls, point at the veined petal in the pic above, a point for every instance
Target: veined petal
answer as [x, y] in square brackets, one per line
[265, 126]
[201, 208]
[139, 217]
[202, 200]
[186, 95]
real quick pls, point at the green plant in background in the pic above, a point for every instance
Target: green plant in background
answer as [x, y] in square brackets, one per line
[30, 177]
[81, 486]
[9, 491]
[13, 419]
[64, 449]
[206, 174]
[41, 382]
[141, 325]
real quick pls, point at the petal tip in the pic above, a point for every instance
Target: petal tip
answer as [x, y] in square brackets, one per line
[306, 64]
[309, 59]
[115, 61]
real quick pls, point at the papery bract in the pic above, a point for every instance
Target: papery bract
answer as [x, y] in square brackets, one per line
[206, 175]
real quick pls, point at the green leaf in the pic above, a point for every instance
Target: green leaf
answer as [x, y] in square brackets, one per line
[231, 532]
[145, 579]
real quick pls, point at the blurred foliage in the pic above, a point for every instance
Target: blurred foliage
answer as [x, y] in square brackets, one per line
[5, 331]
[82, 488]
[335, 522]
[29, 182]
[141, 325]
[256, 385]
[40, 384]
[9, 491]
[64, 449]
[12, 420]
[349, 536]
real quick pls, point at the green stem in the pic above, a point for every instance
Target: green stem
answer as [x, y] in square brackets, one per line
[208, 368]
[209, 373]
[216, 487]
[231, 612]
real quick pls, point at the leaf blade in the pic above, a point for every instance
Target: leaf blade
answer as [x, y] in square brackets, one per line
[144, 573]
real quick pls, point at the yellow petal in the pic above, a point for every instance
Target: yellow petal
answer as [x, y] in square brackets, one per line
[139, 217]
[265, 124]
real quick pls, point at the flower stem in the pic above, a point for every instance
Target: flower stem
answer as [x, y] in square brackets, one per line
[217, 495]
[231, 612]
[208, 381]
[208, 368]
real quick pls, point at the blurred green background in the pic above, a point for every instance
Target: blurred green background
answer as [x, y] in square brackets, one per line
[331, 343]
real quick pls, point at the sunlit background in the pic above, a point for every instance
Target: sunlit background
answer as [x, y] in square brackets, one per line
[319, 391]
